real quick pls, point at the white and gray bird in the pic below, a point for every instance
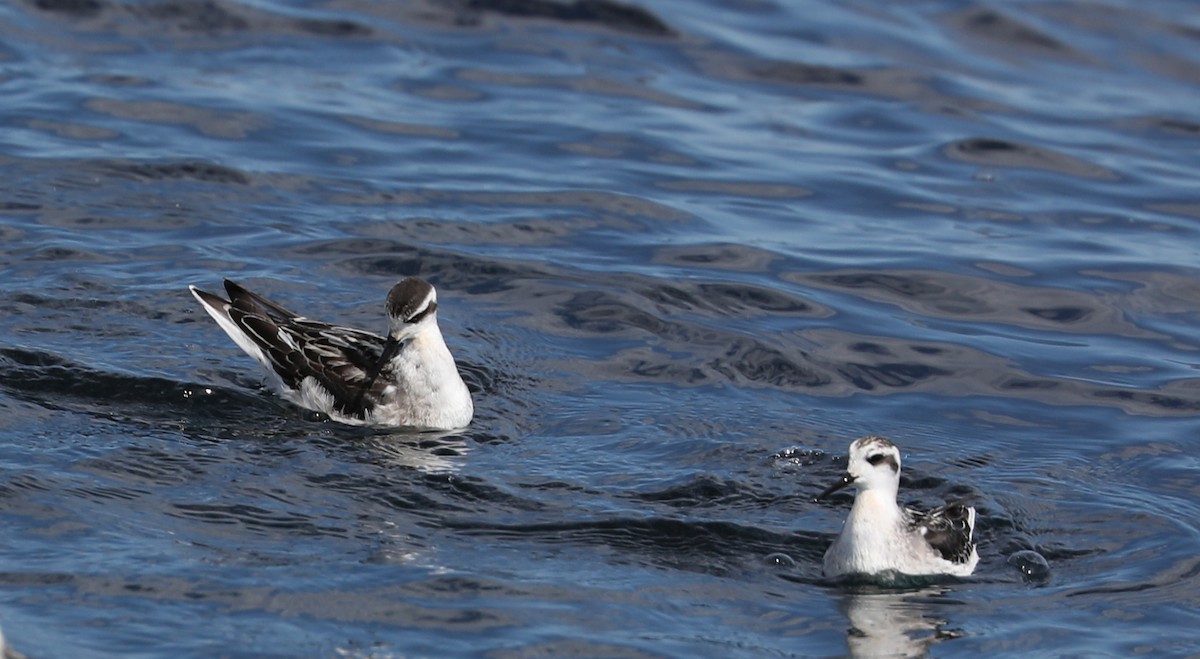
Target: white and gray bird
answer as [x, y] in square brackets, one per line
[407, 379]
[881, 537]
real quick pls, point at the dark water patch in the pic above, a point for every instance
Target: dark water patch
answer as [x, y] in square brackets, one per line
[391, 128]
[1004, 153]
[708, 547]
[727, 257]
[487, 381]
[609, 14]
[572, 648]
[339, 28]
[1169, 127]
[590, 85]
[94, 196]
[807, 78]
[701, 354]
[474, 490]
[28, 578]
[72, 131]
[119, 80]
[749, 362]
[894, 375]
[1161, 400]
[1179, 126]
[210, 122]
[423, 508]
[982, 300]
[18, 207]
[738, 298]
[24, 302]
[730, 299]
[525, 233]
[1131, 580]
[900, 286]
[709, 352]
[1181, 209]
[1005, 31]
[253, 519]
[66, 254]
[598, 312]
[197, 19]
[409, 604]
[194, 170]
[698, 491]
[746, 189]
[1059, 314]
[59, 383]
[583, 202]
[737, 495]
[630, 148]
[352, 247]
[457, 272]
[164, 220]
[796, 73]
[75, 8]
[204, 16]
[17, 483]
[1157, 293]
[407, 497]
[445, 92]
[148, 466]
[944, 370]
[100, 493]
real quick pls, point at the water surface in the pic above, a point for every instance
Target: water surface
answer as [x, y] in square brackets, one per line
[685, 252]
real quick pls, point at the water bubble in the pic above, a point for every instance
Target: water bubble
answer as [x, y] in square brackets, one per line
[798, 456]
[780, 560]
[1033, 567]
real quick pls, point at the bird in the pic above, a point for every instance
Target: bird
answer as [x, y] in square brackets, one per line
[880, 537]
[408, 379]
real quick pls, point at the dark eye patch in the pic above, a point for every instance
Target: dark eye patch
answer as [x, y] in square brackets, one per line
[424, 312]
[884, 458]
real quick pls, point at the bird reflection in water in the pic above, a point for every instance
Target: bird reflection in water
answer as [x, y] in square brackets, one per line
[893, 624]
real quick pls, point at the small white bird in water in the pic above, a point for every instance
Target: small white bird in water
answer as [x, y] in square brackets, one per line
[356, 377]
[880, 537]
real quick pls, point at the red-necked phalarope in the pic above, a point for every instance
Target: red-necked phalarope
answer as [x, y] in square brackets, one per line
[879, 536]
[408, 379]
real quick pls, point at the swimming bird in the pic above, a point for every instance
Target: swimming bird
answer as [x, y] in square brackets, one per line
[881, 537]
[356, 377]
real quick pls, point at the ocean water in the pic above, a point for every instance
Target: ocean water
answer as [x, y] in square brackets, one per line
[685, 253]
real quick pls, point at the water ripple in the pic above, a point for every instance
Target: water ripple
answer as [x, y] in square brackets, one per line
[685, 253]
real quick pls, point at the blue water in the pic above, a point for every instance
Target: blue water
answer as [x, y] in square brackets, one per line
[684, 253]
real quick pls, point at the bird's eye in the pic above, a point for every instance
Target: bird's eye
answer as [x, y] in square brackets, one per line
[875, 459]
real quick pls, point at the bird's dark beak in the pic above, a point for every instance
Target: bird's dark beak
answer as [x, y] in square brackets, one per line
[389, 350]
[845, 480]
[390, 347]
